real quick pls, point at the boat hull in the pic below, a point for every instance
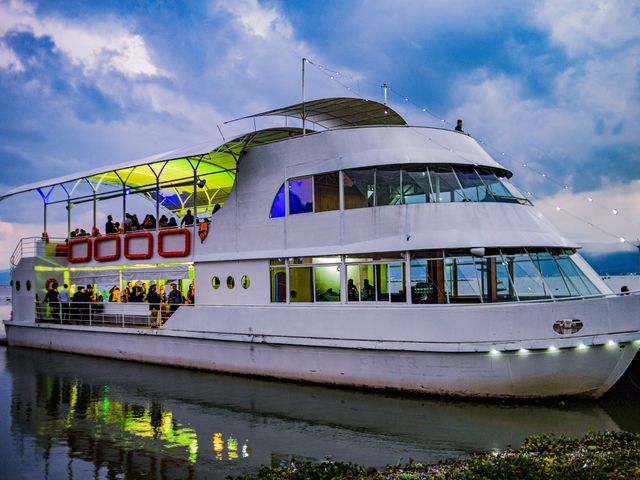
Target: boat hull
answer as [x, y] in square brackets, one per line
[581, 372]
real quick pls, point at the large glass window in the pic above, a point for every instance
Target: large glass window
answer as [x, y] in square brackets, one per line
[326, 192]
[445, 185]
[301, 195]
[436, 276]
[427, 278]
[387, 190]
[559, 284]
[358, 188]
[462, 279]
[416, 187]
[278, 273]
[301, 284]
[327, 283]
[575, 276]
[474, 188]
[527, 280]
[278, 205]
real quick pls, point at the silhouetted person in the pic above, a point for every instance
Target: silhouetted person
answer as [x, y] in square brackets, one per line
[459, 126]
[187, 219]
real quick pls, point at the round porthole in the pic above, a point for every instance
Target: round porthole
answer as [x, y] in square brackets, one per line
[28, 285]
[245, 281]
[230, 282]
[215, 283]
[17, 285]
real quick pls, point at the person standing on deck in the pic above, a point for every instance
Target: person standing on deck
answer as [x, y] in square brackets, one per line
[187, 220]
[64, 298]
[109, 227]
[175, 298]
[52, 299]
[154, 304]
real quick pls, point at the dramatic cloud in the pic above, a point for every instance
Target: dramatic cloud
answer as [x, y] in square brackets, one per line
[555, 85]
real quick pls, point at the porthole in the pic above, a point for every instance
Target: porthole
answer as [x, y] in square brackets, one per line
[245, 281]
[17, 285]
[230, 282]
[11, 283]
[28, 285]
[215, 283]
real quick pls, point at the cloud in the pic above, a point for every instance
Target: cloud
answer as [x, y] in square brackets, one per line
[94, 46]
[584, 27]
[593, 223]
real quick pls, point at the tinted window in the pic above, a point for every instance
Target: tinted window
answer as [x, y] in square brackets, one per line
[301, 195]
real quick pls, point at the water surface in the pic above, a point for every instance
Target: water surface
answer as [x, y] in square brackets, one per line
[71, 416]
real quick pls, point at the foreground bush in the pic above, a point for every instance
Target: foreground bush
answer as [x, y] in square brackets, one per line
[614, 455]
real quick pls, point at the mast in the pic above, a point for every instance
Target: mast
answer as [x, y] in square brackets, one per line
[304, 113]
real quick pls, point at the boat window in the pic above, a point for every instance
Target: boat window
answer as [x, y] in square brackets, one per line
[301, 284]
[495, 186]
[445, 185]
[427, 278]
[301, 195]
[230, 282]
[358, 188]
[245, 281]
[277, 261]
[17, 285]
[278, 284]
[278, 205]
[575, 276]
[462, 279]
[376, 282]
[327, 283]
[416, 187]
[215, 283]
[474, 188]
[501, 280]
[527, 280]
[326, 189]
[387, 189]
[558, 283]
[28, 285]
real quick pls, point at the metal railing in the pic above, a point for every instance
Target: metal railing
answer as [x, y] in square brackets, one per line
[38, 246]
[108, 314]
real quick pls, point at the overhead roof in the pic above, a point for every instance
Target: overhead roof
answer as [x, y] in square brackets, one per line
[211, 161]
[338, 112]
[214, 162]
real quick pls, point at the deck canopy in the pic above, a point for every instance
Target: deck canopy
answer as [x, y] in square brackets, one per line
[338, 112]
[196, 178]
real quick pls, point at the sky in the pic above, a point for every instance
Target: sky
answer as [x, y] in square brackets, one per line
[553, 85]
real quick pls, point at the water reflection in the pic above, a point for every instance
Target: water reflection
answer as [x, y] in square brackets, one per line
[81, 417]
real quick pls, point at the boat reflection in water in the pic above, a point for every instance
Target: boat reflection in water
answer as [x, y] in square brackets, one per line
[79, 417]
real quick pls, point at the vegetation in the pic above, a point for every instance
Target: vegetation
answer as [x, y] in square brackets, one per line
[613, 455]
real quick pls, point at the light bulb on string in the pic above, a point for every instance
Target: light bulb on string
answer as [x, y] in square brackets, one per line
[614, 211]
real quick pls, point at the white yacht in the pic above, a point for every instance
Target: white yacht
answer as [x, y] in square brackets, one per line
[361, 252]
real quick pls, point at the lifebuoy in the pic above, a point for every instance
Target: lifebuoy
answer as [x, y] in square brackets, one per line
[50, 282]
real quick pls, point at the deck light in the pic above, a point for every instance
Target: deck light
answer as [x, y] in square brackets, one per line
[523, 351]
[494, 352]
[611, 343]
[582, 346]
[614, 211]
[553, 348]
[589, 199]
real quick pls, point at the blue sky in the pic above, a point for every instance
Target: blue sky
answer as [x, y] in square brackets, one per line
[555, 85]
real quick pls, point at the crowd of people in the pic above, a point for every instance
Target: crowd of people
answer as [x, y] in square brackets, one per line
[63, 305]
[132, 224]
